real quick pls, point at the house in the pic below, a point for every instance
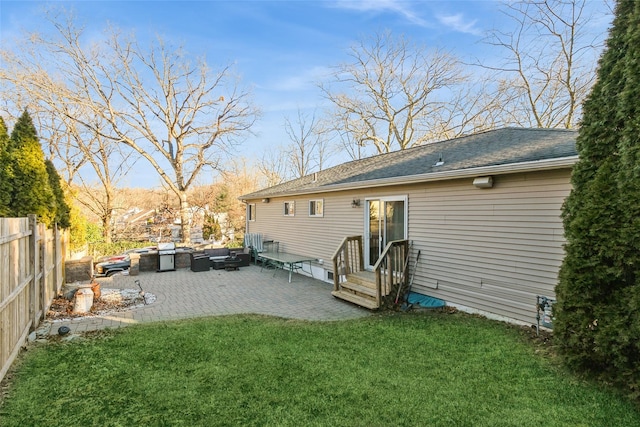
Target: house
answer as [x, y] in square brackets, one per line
[483, 210]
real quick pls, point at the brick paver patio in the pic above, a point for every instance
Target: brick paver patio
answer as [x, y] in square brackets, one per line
[186, 294]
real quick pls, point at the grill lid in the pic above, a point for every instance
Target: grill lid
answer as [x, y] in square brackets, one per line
[166, 246]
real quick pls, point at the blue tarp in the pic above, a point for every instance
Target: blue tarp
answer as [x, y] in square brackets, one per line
[425, 300]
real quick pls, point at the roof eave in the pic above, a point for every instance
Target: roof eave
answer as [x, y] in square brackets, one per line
[532, 166]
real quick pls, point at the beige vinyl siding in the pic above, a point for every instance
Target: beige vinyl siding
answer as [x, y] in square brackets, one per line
[493, 249]
[317, 237]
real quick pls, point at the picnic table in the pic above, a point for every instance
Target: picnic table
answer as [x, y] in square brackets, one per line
[287, 261]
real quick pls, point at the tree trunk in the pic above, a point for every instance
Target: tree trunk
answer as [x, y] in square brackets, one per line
[107, 230]
[185, 221]
[107, 213]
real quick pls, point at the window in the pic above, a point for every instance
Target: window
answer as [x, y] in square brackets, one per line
[251, 211]
[316, 208]
[289, 208]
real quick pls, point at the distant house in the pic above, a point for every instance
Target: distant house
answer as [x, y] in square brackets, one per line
[484, 210]
[132, 224]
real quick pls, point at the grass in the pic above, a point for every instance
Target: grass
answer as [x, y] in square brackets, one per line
[427, 369]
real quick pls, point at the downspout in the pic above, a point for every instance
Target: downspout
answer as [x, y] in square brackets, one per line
[246, 217]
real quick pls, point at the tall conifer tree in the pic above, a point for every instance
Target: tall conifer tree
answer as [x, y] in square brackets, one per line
[5, 171]
[596, 324]
[62, 210]
[31, 192]
[4, 136]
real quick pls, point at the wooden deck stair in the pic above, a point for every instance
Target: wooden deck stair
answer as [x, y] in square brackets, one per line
[360, 289]
[361, 286]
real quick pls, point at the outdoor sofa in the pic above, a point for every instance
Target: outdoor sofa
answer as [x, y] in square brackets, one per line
[211, 258]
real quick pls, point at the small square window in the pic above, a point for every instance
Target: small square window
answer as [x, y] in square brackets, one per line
[316, 208]
[251, 211]
[289, 208]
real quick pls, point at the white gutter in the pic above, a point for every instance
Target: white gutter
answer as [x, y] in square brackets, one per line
[532, 166]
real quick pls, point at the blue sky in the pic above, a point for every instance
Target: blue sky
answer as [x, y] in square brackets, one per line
[280, 48]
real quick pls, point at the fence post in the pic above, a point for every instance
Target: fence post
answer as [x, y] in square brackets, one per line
[52, 289]
[64, 251]
[34, 257]
[42, 229]
[59, 260]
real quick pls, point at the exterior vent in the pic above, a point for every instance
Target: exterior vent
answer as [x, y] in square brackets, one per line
[483, 182]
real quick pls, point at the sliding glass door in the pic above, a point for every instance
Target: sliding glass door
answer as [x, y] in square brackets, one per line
[386, 220]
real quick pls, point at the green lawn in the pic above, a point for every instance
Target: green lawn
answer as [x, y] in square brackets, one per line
[422, 369]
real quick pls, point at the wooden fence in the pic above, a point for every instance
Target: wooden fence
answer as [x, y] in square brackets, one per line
[31, 274]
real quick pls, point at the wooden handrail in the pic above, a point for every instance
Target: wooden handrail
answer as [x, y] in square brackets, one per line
[389, 269]
[347, 259]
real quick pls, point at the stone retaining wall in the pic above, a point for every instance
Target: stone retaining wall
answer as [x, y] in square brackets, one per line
[183, 260]
[148, 262]
[78, 270]
[82, 269]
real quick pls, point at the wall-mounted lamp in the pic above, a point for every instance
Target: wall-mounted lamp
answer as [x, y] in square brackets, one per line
[265, 200]
[244, 200]
[483, 182]
[355, 203]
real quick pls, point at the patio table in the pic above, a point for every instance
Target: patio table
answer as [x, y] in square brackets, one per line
[288, 261]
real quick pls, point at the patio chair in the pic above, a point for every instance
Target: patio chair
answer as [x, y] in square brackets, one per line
[271, 247]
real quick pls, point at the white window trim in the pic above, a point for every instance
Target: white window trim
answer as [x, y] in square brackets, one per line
[251, 218]
[316, 215]
[291, 204]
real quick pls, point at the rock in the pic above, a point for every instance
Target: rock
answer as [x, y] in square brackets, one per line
[72, 337]
[44, 330]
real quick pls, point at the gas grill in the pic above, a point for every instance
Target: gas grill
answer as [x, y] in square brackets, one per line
[166, 256]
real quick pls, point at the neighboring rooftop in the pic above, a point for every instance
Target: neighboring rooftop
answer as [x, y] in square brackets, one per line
[506, 146]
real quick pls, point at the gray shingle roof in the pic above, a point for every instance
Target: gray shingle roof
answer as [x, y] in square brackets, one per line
[504, 146]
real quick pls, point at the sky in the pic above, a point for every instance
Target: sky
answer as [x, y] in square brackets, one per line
[280, 49]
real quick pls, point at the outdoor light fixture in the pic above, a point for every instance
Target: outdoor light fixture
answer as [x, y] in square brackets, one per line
[355, 203]
[265, 200]
[483, 182]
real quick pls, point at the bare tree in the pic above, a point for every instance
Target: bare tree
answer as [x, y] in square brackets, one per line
[349, 135]
[474, 107]
[202, 197]
[108, 163]
[393, 93]
[309, 144]
[180, 117]
[273, 167]
[549, 63]
[91, 164]
[238, 180]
